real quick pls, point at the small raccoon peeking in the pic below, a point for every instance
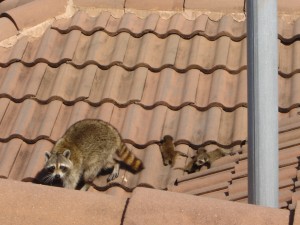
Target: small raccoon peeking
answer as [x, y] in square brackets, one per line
[168, 152]
[86, 148]
[204, 158]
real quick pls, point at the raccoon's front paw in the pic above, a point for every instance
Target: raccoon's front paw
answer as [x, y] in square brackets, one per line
[112, 176]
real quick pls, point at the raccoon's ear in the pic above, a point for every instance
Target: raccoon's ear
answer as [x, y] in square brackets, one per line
[67, 153]
[47, 156]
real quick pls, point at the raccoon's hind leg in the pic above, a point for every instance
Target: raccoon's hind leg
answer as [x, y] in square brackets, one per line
[115, 172]
[111, 162]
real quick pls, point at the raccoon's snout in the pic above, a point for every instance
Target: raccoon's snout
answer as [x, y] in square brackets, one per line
[57, 176]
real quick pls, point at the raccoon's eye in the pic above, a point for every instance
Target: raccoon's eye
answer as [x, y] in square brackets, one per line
[51, 169]
[63, 168]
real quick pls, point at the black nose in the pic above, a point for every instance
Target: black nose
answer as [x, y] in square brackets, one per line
[57, 176]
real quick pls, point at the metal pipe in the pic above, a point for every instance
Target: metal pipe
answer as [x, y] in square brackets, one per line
[262, 57]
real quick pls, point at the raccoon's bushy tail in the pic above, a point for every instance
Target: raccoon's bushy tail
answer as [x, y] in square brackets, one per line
[129, 158]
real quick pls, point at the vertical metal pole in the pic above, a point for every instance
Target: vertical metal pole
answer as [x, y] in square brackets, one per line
[262, 102]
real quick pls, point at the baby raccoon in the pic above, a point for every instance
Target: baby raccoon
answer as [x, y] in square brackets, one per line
[87, 147]
[204, 158]
[168, 152]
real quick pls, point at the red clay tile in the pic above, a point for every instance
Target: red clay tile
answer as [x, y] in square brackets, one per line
[168, 5]
[297, 185]
[297, 214]
[8, 155]
[7, 5]
[155, 173]
[116, 191]
[116, 4]
[24, 119]
[36, 12]
[239, 197]
[129, 22]
[202, 52]
[292, 7]
[289, 162]
[235, 83]
[289, 172]
[238, 186]
[216, 194]
[286, 185]
[9, 27]
[226, 26]
[132, 52]
[147, 205]
[296, 197]
[218, 190]
[288, 58]
[227, 168]
[289, 136]
[290, 143]
[118, 85]
[289, 153]
[53, 47]
[38, 201]
[239, 174]
[289, 87]
[288, 124]
[216, 6]
[15, 53]
[16, 82]
[285, 195]
[4, 103]
[67, 83]
[208, 181]
[225, 160]
[30, 160]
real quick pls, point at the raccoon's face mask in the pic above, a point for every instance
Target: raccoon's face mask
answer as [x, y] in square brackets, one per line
[201, 161]
[57, 164]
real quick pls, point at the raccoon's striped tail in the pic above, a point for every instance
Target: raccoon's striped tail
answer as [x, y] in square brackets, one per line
[129, 158]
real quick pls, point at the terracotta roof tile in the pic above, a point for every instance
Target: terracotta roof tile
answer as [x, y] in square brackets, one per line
[9, 28]
[147, 77]
[213, 191]
[297, 214]
[7, 5]
[160, 206]
[208, 92]
[137, 27]
[37, 204]
[293, 6]
[119, 50]
[146, 204]
[35, 12]
[219, 5]
[13, 54]
[8, 153]
[55, 115]
[288, 31]
[116, 4]
[173, 5]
